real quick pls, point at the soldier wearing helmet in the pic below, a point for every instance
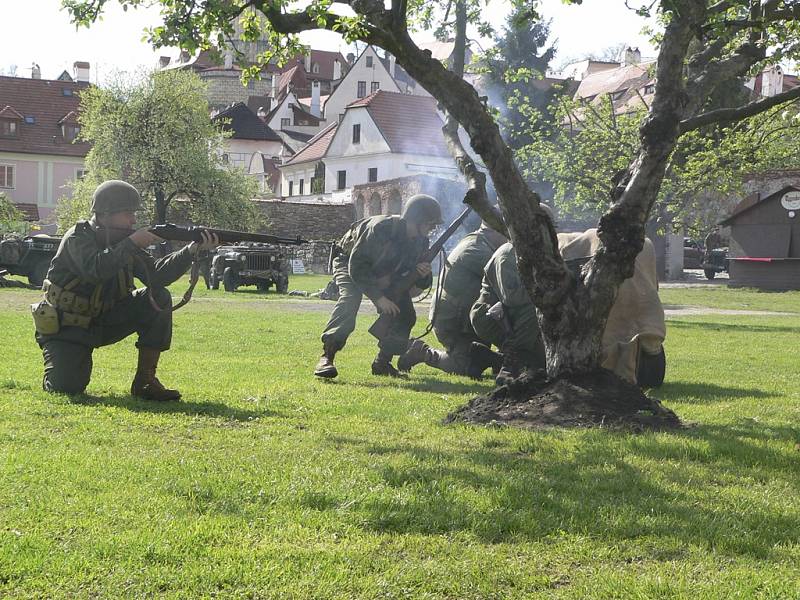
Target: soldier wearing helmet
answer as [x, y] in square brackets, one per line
[369, 254]
[90, 299]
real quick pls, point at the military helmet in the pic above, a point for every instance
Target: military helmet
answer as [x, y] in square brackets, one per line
[422, 208]
[115, 196]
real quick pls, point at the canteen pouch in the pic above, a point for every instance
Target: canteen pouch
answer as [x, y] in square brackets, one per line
[45, 317]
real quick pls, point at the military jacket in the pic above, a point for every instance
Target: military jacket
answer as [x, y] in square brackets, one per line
[378, 247]
[80, 256]
[501, 278]
[462, 280]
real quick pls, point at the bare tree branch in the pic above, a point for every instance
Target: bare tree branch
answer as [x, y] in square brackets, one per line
[742, 112]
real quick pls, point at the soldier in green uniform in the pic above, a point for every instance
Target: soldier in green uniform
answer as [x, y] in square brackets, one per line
[505, 316]
[370, 253]
[90, 299]
[458, 289]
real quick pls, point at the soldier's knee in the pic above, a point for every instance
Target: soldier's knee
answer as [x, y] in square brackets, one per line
[162, 297]
[58, 381]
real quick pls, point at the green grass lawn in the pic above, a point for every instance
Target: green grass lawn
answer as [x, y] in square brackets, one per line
[267, 483]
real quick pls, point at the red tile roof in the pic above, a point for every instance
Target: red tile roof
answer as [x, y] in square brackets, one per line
[409, 123]
[44, 100]
[317, 146]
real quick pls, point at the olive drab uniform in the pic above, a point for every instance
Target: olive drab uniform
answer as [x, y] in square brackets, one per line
[458, 288]
[370, 253]
[90, 300]
[504, 314]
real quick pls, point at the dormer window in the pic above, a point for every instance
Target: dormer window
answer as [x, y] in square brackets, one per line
[70, 131]
[9, 128]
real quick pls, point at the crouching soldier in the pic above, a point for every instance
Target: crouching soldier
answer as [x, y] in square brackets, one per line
[465, 352]
[373, 251]
[505, 316]
[90, 299]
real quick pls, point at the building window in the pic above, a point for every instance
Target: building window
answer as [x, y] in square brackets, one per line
[373, 175]
[6, 176]
[356, 134]
[369, 62]
[301, 187]
[315, 68]
[376, 85]
[650, 89]
[362, 89]
[8, 128]
[291, 187]
[81, 173]
[286, 122]
[70, 131]
[341, 179]
[30, 120]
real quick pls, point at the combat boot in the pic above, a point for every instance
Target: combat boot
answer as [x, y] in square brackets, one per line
[418, 352]
[325, 367]
[510, 368]
[145, 383]
[481, 357]
[382, 365]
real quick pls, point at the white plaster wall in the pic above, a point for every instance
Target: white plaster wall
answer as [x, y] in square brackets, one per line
[372, 141]
[240, 152]
[347, 91]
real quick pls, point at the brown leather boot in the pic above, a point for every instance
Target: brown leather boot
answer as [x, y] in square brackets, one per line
[325, 367]
[418, 352]
[145, 383]
[382, 365]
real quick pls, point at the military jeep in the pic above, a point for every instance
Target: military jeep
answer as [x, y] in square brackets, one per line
[262, 265]
[29, 256]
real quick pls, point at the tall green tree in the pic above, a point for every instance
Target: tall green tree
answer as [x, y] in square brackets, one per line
[11, 218]
[704, 43]
[515, 70]
[156, 132]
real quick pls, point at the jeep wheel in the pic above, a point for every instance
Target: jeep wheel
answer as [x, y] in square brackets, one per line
[39, 272]
[710, 273]
[282, 285]
[229, 280]
[213, 282]
[263, 286]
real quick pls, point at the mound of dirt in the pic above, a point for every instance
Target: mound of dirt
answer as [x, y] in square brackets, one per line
[598, 399]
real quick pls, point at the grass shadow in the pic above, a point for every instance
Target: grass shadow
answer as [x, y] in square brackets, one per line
[704, 393]
[530, 490]
[210, 409]
[429, 384]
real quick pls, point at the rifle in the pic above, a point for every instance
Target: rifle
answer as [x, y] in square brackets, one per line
[172, 232]
[401, 284]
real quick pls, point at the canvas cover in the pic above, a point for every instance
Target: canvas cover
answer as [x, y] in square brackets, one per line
[637, 318]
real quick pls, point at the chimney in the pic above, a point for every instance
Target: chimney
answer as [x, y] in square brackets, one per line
[81, 72]
[315, 110]
[36, 72]
[772, 81]
[274, 91]
[350, 58]
[184, 56]
[163, 62]
[228, 61]
[632, 56]
[308, 61]
[262, 113]
[337, 69]
[392, 61]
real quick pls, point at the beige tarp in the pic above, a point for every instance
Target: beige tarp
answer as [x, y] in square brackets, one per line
[637, 317]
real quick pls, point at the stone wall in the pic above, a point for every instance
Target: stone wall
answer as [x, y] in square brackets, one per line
[311, 221]
[225, 87]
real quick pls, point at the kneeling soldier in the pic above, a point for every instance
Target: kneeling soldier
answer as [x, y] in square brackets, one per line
[90, 299]
[370, 253]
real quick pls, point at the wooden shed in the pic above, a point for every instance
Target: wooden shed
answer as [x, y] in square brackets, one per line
[765, 241]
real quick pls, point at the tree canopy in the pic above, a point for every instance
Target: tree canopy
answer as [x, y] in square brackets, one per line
[11, 218]
[156, 132]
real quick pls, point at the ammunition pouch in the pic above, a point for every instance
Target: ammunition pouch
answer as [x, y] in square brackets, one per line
[45, 317]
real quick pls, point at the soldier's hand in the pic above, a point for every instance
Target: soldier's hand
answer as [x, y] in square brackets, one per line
[143, 238]
[210, 241]
[423, 269]
[387, 307]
